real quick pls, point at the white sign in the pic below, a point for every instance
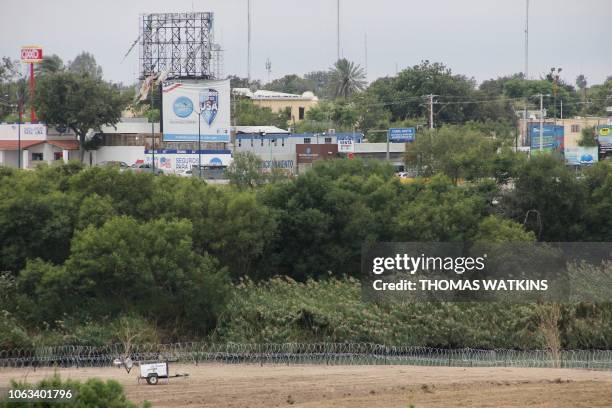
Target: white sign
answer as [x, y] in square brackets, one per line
[30, 131]
[185, 105]
[346, 145]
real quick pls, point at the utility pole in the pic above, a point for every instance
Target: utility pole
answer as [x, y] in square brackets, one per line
[431, 102]
[387, 156]
[366, 54]
[527, 40]
[526, 63]
[338, 29]
[249, 40]
[268, 68]
[541, 123]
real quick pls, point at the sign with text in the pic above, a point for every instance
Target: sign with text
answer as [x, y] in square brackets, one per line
[552, 137]
[581, 155]
[346, 145]
[401, 135]
[182, 103]
[31, 54]
[604, 138]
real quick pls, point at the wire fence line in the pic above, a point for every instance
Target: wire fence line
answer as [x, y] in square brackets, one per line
[301, 353]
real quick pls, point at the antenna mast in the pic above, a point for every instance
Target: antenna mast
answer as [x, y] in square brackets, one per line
[249, 40]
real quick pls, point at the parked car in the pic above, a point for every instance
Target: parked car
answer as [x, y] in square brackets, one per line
[113, 163]
[145, 168]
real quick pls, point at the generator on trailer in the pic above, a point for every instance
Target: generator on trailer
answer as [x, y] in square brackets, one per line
[151, 371]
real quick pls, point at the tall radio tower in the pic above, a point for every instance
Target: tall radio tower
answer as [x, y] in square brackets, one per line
[249, 40]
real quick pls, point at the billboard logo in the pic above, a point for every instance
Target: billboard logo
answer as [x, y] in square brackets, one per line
[182, 107]
[209, 104]
[31, 54]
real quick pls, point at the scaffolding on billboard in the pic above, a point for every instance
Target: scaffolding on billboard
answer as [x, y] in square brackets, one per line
[179, 44]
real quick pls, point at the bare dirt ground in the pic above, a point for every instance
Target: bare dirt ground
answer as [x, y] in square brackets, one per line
[354, 386]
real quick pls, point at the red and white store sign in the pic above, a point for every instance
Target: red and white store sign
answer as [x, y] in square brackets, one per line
[31, 54]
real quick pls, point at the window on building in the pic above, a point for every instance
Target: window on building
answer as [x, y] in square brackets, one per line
[58, 156]
[575, 128]
[37, 156]
[306, 140]
[328, 140]
[301, 113]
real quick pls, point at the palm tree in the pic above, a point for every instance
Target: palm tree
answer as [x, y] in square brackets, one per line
[346, 78]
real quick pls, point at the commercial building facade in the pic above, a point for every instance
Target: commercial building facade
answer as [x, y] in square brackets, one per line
[279, 101]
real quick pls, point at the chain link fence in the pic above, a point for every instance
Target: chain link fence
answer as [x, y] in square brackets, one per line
[301, 353]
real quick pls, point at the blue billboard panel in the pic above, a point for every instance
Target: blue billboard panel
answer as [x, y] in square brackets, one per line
[552, 137]
[401, 135]
[581, 155]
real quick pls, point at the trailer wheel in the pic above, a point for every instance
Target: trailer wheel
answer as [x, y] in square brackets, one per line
[152, 379]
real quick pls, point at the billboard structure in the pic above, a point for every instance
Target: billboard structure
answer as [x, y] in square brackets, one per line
[179, 44]
[552, 137]
[604, 139]
[31, 54]
[198, 111]
[346, 145]
[581, 155]
[401, 135]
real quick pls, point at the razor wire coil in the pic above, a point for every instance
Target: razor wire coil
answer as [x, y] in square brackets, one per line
[301, 353]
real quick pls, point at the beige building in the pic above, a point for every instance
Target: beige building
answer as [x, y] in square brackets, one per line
[279, 101]
[572, 127]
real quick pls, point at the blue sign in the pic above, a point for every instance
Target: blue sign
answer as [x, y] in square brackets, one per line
[182, 107]
[171, 137]
[401, 135]
[209, 104]
[552, 136]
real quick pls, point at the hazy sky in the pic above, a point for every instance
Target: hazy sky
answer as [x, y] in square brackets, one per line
[479, 38]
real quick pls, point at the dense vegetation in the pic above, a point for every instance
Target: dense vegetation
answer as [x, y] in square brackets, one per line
[82, 249]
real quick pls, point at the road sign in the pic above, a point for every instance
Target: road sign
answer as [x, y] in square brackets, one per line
[401, 135]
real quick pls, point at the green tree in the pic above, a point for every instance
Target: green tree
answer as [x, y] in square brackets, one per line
[441, 212]
[246, 113]
[80, 102]
[124, 266]
[496, 230]
[598, 98]
[588, 137]
[93, 393]
[404, 94]
[238, 82]
[245, 171]
[85, 64]
[547, 199]
[320, 81]
[459, 152]
[50, 64]
[346, 78]
[293, 84]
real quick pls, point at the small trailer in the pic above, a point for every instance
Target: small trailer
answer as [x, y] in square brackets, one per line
[152, 371]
